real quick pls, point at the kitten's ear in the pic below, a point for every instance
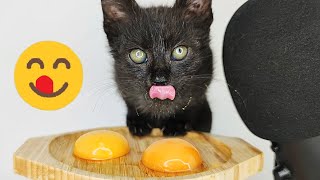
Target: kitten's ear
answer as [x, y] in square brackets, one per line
[118, 10]
[195, 7]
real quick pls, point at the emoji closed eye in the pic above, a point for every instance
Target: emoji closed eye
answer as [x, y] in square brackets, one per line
[35, 61]
[61, 61]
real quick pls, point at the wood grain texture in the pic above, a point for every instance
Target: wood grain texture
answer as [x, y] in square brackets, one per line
[51, 158]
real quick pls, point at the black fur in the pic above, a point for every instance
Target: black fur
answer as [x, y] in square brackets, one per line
[157, 31]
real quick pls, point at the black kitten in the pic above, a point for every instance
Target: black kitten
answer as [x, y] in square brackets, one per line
[163, 63]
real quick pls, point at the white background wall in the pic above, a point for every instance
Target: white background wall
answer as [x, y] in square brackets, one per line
[78, 23]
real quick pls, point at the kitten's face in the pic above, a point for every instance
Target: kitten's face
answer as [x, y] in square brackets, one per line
[160, 46]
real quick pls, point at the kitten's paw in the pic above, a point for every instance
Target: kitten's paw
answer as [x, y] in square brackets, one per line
[175, 130]
[140, 130]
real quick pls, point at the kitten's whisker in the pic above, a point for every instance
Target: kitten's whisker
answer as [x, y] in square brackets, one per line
[99, 99]
[202, 75]
[145, 96]
[206, 57]
[107, 93]
[124, 89]
[205, 88]
[208, 77]
[219, 80]
[124, 77]
[94, 107]
[99, 88]
[104, 93]
[101, 81]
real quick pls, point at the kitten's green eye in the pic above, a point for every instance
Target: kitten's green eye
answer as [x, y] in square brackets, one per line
[138, 56]
[179, 53]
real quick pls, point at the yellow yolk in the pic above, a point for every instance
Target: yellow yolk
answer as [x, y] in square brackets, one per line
[171, 155]
[101, 145]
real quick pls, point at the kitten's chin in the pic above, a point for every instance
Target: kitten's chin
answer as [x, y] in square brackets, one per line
[159, 109]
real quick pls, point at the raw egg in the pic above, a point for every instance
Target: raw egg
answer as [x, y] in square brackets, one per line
[171, 155]
[101, 145]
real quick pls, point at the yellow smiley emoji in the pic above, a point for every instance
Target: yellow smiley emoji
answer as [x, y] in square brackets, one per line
[48, 75]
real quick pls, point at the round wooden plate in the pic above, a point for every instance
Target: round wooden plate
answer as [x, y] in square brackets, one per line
[51, 157]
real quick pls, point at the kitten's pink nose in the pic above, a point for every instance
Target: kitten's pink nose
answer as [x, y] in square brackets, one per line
[160, 80]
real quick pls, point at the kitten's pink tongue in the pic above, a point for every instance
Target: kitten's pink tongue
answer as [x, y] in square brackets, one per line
[162, 92]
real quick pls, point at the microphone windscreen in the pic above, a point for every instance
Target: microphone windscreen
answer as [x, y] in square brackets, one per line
[271, 57]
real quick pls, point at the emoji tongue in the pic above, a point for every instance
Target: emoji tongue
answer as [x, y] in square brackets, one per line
[162, 92]
[45, 84]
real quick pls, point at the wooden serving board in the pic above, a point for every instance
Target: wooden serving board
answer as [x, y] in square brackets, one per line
[51, 158]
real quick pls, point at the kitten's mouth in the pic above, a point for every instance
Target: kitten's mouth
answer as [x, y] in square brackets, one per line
[162, 92]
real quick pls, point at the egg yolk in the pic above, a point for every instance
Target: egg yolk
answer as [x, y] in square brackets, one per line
[171, 155]
[101, 145]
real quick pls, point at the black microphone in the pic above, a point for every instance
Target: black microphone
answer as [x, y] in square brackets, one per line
[271, 57]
